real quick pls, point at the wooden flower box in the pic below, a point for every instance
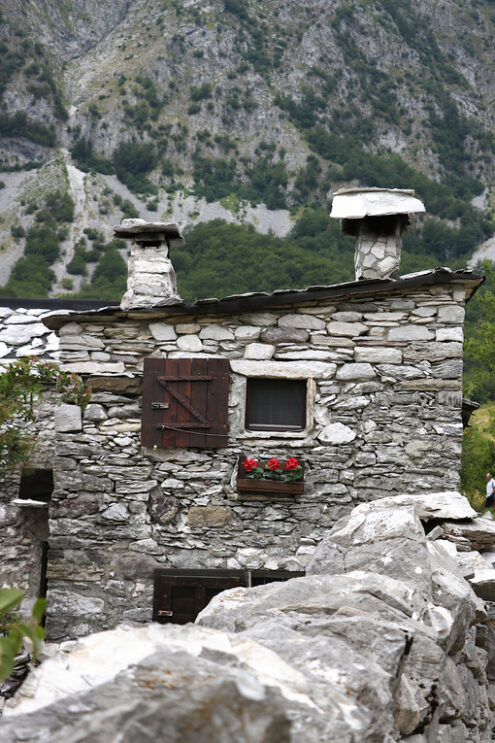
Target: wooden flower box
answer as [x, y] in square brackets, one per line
[268, 488]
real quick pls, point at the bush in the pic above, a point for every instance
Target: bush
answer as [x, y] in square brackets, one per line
[42, 241]
[202, 92]
[77, 265]
[86, 159]
[30, 277]
[17, 230]
[132, 161]
[19, 125]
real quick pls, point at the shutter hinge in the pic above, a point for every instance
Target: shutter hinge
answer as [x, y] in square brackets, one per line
[159, 405]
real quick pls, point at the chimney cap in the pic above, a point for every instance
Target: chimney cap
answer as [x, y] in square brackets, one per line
[133, 229]
[358, 203]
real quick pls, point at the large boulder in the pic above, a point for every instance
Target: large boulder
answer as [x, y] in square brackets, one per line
[383, 641]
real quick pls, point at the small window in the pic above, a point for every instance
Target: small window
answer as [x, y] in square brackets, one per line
[36, 485]
[179, 595]
[276, 405]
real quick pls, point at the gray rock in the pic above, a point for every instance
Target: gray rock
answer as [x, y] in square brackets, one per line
[188, 327]
[116, 512]
[259, 351]
[216, 333]
[336, 433]
[483, 583]
[19, 335]
[306, 322]
[95, 412]
[205, 701]
[132, 566]
[162, 332]
[398, 371]
[478, 534]
[450, 334]
[314, 597]
[378, 355]
[68, 418]
[355, 371]
[348, 316]
[410, 333]
[346, 328]
[247, 333]
[283, 369]
[283, 335]
[445, 505]
[451, 314]
[189, 343]
[389, 541]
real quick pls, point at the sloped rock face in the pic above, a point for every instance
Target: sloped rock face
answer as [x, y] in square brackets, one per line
[382, 641]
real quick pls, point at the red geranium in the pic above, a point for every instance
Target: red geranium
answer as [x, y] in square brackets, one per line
[250, 464]
[291, 464]
[273, 464]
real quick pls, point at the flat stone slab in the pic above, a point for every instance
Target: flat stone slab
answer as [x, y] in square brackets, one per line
[357, 203]
[478, 534]
[483, 583]
[449, 505]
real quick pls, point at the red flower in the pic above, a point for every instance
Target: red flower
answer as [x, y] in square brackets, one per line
[291, 464]
[273, 464]
[250, 464]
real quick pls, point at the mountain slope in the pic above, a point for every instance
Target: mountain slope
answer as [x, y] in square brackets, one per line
[208, 108]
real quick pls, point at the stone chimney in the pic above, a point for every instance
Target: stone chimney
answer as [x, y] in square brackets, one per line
[151, 277]
[376, 217]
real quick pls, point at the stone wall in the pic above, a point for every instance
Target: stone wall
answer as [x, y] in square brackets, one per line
[385, 377]
[24, 530]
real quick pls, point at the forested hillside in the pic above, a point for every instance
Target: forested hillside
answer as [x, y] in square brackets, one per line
[244, 111]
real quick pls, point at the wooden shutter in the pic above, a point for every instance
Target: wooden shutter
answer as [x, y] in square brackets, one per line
[179, 595]
[185, 402]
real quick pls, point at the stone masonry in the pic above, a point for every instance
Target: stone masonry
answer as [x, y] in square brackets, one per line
[384, 374]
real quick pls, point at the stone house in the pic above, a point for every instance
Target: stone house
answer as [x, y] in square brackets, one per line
[151, 512]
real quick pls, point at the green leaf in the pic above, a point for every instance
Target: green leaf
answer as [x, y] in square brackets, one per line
[15, 638]
[39, 609]
[7, 655]
[9, 598]
[33, 635]
[39, 633]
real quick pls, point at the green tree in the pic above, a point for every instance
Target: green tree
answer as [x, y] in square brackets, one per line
[478, 458]
[479, 349]
[22, 383]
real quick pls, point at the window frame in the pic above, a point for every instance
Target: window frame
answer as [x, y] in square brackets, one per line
[301, 411]
[237, 414]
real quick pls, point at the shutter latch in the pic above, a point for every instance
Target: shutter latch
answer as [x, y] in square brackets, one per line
[163, 613]
[159, 405]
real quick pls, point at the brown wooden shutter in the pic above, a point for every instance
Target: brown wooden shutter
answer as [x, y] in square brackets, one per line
[185, 403]
[179, 595]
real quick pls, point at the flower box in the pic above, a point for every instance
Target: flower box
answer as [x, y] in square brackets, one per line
[267, 488]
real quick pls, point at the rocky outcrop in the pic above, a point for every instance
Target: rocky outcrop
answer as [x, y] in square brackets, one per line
[383, 640]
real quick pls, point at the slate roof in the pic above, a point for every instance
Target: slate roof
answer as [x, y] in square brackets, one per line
[258, 301]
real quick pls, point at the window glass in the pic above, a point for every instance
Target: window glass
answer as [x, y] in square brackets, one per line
[276, 405]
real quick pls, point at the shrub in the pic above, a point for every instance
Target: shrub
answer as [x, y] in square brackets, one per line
[132, 161]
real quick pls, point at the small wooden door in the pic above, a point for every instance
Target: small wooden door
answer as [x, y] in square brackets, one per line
[179, 595]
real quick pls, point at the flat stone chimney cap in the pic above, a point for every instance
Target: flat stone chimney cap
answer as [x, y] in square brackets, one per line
[133, 229]
[357, 203]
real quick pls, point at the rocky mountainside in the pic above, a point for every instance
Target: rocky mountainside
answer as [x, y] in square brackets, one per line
[243, 110]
